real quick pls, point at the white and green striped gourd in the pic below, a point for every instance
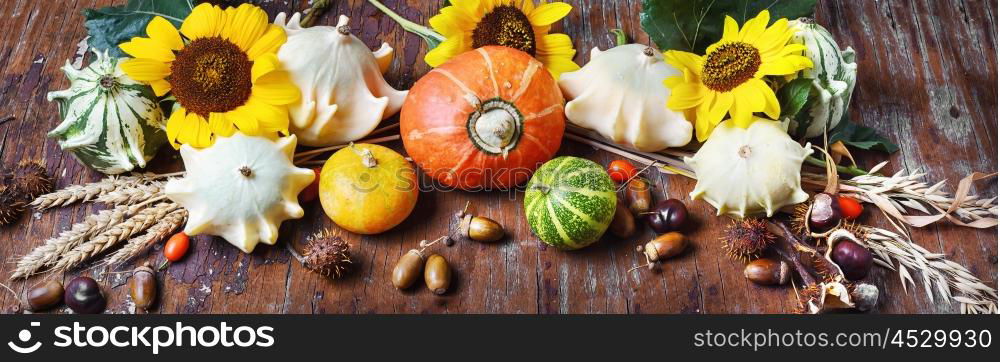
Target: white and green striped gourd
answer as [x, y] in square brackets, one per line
[833, 73]
[110, 122]
[569, 202]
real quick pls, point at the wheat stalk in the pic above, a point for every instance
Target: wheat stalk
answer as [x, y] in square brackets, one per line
[49, 252]
[896, 251]
[134, 194]
[95, 190]
[156, 233]
[125, 230]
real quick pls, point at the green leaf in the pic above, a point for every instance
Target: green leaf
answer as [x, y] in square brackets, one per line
[862, 137]
[110, 26]
[793, 96]
[693, 25]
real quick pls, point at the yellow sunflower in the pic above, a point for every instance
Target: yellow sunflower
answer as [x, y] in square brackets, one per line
[727, 79]
[519, 24]
[223, 70]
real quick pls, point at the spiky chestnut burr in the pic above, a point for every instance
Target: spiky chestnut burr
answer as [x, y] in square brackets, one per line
[326, 254]
[11, 207]
[29, 180]
[746, 239]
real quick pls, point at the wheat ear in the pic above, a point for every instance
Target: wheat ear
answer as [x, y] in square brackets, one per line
[122, 231]
[49, 252]
[156, 233]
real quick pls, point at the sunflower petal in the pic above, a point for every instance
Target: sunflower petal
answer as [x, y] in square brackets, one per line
[740, 112]
[703, 121]
[221, 125]
[684, 60]
[163, 31]
[556, 45]
[147, 48]
[771, 105]
[195, 131]
[276, 88]
[206, 20]
[160, 87]
[774, 37]
[785, 65]
[244, 119]
[558, 65]
[730, 30]
[721, 105]
[145, 70]
[270, 42]
[753, 28]
[174, 125]
[264, 65]
[270, 118]
[549, 13]
[245, 25]
[446, 50]
[686, 95]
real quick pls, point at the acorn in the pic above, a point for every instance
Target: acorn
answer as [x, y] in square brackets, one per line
[45, 295]
[465, 226]
[767, 272]
[142, 287]
[407, 269]
[484, 229]
[437, 274]
[662, 247]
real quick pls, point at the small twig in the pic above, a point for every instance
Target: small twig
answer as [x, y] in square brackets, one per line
[309, 155]
[315, 11]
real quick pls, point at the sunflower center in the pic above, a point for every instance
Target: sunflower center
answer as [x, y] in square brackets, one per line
[211, 75]
[729, 66]
[506, 25]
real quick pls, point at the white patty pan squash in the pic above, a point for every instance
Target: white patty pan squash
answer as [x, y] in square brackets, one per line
[745, 172]
[241, 188]
[620, 95]
[344, 96]
[110, 122]
[833, 75]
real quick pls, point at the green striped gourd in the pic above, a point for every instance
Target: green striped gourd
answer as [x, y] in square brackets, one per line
[569, 202]
[833, 73]
[111, 123]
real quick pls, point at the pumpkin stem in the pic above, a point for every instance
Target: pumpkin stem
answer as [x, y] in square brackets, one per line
[495, 127]
[542, 188]
[246, 171]
[367, 158]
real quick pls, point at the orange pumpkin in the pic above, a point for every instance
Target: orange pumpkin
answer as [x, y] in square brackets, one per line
[485, 119]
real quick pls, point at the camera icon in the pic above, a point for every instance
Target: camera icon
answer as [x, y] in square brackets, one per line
[25, 336]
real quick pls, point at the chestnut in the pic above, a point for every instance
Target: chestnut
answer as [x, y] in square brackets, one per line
[668, 215]
[853, 259]
[623, 223]
[767, 272]
[825, 212]
[45, 295]
[83, 295]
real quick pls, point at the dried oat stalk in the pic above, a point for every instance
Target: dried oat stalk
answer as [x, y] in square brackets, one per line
[896, 251]
[156, 233]
[905, 197]
[125, 230]
[49, 253]
[110, 189]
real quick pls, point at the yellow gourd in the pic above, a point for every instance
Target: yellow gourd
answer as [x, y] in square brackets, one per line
[368, 189]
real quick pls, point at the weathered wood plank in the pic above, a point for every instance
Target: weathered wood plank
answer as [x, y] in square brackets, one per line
[927, 80]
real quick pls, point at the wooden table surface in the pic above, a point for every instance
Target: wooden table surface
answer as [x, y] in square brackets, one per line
[928, 71]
